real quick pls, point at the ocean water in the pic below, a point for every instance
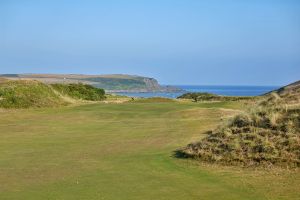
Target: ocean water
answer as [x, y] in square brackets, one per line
[220, 90]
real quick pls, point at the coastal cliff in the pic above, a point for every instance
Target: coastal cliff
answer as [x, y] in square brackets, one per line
[111, 83]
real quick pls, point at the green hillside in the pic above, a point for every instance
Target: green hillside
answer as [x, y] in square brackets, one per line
[111, 82]
[30, 93]
[25, 94]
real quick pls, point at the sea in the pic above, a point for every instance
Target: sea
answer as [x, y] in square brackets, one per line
[219, 90]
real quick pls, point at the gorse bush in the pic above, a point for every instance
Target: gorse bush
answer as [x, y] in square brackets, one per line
[80, 91]
[268, 134]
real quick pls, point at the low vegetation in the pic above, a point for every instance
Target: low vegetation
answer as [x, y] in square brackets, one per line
[204, 96]
[30, 93]
[27, 93]
[268, 134]
[152, 100]
[80, 91]
[112, 83]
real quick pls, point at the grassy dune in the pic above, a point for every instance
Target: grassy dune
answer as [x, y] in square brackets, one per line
[31, 93]
[123, 151]
[267, 134]
[27, 93]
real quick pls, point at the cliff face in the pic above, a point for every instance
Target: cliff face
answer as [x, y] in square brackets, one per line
[111, 83]
[152, 84]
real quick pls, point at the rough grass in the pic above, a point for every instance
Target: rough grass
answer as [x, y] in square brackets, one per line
[3, 79]
[123, 151]
[268, 134]
[27, 93]
[30, 93]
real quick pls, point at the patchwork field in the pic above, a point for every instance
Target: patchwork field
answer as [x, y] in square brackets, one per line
[124, 151]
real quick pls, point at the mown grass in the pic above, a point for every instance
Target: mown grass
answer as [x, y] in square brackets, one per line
[152, 100]
[123, 151]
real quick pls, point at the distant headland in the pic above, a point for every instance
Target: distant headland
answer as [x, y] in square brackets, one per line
[109, 82]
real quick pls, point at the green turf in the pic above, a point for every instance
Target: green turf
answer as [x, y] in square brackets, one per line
[122, 151]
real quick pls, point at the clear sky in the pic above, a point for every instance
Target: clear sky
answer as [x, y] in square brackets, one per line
[211, 42]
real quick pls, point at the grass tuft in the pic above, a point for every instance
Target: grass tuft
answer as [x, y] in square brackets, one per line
[268, 134]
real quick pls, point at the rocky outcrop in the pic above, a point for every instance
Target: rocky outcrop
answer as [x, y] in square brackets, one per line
[152, 84]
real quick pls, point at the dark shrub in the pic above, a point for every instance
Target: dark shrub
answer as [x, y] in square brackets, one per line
[81, 91]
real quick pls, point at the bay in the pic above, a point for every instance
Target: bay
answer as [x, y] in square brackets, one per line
[219, 90]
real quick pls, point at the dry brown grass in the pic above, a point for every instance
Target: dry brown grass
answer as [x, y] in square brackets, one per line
[268, 134]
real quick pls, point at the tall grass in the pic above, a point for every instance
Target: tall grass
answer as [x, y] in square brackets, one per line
[268, 134]
[25, 94]
[30, 93]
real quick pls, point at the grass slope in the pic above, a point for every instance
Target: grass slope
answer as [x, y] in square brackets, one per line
[27, 93]
[30, 93]
[268, 134]
[123, 151]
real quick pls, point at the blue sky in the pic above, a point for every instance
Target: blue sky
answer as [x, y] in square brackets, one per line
[210, 42]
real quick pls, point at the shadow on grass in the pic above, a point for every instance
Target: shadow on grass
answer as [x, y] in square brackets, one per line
[179, 153]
